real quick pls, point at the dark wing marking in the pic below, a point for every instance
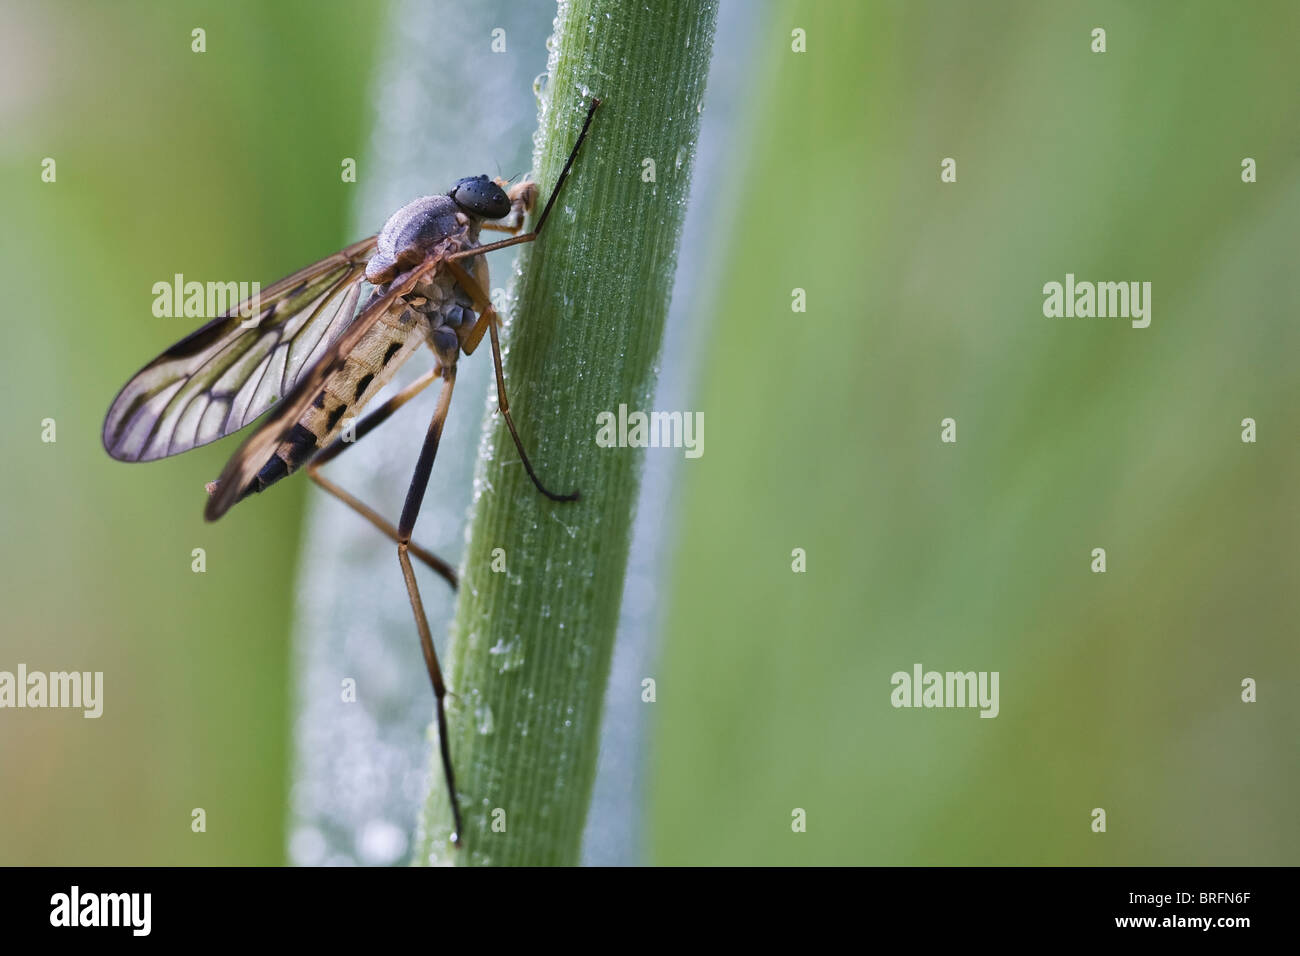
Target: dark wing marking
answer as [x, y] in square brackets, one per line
[257, 450]
[222, 376]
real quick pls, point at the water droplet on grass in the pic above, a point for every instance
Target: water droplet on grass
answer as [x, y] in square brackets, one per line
[509, 656]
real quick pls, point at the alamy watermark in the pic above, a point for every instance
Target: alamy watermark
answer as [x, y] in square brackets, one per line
[73, 689]
[179, 299]
[923, 688]
[637, 429]
[1102, 300]
[129, 910]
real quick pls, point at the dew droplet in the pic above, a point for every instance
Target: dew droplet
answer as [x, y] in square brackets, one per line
[509, 656]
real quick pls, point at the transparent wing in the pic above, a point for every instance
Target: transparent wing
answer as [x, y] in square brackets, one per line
[222, 376]
[262, 443]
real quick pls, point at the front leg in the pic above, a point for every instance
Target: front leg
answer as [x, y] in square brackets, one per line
[487, 320]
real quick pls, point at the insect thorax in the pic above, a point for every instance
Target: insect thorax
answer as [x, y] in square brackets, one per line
[414, 231]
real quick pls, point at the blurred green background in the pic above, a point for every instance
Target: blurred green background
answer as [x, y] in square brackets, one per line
[219, 165]
[1119, 691]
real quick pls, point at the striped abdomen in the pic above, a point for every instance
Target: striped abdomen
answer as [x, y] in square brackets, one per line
[369, 367]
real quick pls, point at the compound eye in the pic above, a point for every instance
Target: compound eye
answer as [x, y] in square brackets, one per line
[480, 196]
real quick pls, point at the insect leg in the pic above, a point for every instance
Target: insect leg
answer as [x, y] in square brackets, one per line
[364, 427]
[568, 164]
[487, 318]
[431, 560]
[487, 314]
[546, 210]
[411, 511]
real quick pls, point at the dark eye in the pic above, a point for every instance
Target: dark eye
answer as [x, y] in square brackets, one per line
[480, 196]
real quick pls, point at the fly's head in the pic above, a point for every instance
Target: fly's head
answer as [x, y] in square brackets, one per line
[495, 200]
[481, 197]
